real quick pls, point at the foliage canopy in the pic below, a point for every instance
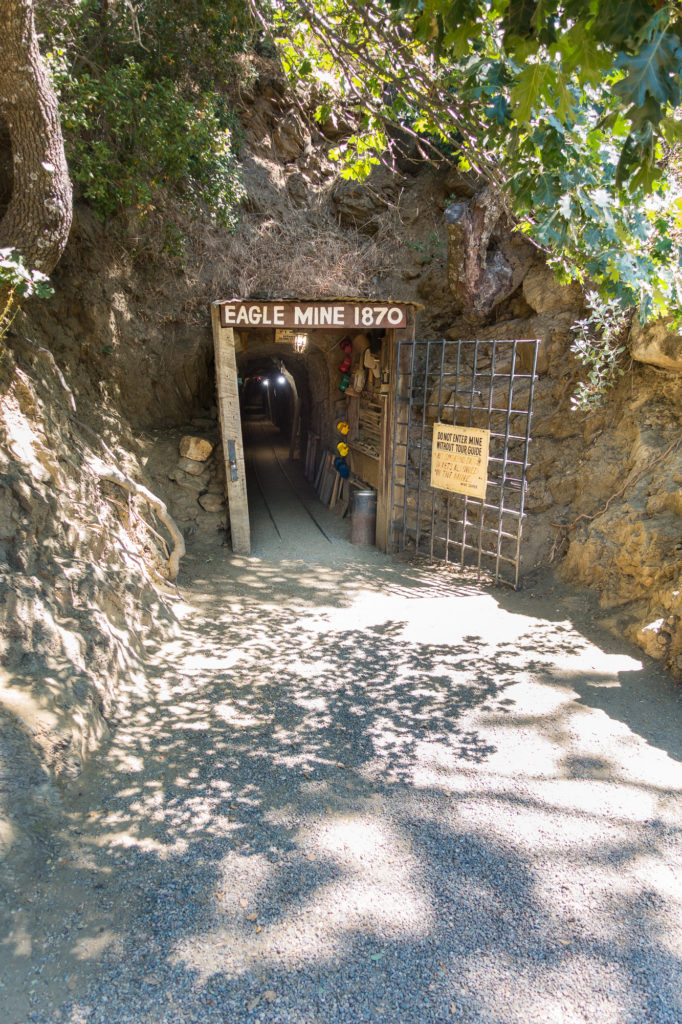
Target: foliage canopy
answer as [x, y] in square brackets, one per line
[142, 90]
[568, 106]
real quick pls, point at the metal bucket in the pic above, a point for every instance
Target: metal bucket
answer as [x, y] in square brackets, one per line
[363, 518]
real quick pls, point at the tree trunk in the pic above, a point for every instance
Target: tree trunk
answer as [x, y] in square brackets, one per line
[38, 217]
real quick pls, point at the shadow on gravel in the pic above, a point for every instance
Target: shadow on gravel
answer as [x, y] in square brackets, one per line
[361, 795]
[640, 696]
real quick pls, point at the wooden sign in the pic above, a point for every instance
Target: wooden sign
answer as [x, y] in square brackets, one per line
[459, 459]
[285, 336]
[306, 315]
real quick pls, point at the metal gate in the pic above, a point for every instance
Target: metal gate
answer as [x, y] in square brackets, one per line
[481, 384]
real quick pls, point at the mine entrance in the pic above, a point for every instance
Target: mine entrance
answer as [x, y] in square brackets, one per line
[461, 430]
[344, 350]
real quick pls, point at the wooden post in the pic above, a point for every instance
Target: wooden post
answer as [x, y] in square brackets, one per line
[231, 433]
[389, 364]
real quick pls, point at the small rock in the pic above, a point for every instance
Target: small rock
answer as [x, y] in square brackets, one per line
[269, 996]
[190, 466]
[197, 448]
[189, 483]
[212, 502]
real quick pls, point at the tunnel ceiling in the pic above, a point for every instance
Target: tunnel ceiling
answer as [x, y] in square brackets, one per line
[262, 354]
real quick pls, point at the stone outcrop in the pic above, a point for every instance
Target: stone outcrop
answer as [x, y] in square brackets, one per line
[479, 274]
[486, 262]
[544, 294]
[656, 343]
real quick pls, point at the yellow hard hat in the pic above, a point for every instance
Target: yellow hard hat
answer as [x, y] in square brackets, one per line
[342, 448]
[342, 427]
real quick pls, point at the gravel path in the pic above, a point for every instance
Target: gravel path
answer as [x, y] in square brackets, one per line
[358, 790]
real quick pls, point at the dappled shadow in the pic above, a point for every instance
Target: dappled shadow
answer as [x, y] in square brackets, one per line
[364, 793]
[638, 692]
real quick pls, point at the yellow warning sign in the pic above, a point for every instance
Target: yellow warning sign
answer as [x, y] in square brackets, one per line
[459, 459]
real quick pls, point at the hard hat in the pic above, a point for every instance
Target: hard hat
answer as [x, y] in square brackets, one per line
[342, 427]
[342, 448]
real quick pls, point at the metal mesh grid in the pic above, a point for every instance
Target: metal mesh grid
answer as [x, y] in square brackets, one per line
[483, 384]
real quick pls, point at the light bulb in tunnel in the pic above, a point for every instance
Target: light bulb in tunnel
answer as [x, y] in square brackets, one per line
[265, 382]
[281, 379]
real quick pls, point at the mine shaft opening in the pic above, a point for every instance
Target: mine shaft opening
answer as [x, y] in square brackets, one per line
[292, 401]
[306, 408]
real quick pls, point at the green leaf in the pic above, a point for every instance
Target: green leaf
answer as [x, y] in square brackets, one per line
[582, 53]
[530, 90]
[653, 71]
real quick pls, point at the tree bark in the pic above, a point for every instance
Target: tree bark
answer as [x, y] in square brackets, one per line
[38, 217]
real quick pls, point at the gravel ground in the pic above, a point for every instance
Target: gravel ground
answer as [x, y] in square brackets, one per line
[355, 790]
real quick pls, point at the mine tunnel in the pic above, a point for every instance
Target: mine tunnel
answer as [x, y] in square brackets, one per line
[309, 446]
[275, 406]
[308, 416]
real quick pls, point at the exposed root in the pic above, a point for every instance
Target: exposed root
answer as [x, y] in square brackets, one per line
[115, 476]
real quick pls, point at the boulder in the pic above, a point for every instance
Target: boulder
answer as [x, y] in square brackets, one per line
[657, 344]
[196, 448]
[299, 188]
[197, 484]
[289, 138]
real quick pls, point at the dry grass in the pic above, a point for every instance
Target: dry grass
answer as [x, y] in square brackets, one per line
[293, 252]
[297, 257]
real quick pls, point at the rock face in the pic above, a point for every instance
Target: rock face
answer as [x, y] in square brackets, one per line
[622, 501]
[486, 261]
[78, 597]
[657, 344]
[479, 274]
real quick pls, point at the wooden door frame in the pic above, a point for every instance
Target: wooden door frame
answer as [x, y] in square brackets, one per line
[231, 433]
[231, 428]
[390, 370]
